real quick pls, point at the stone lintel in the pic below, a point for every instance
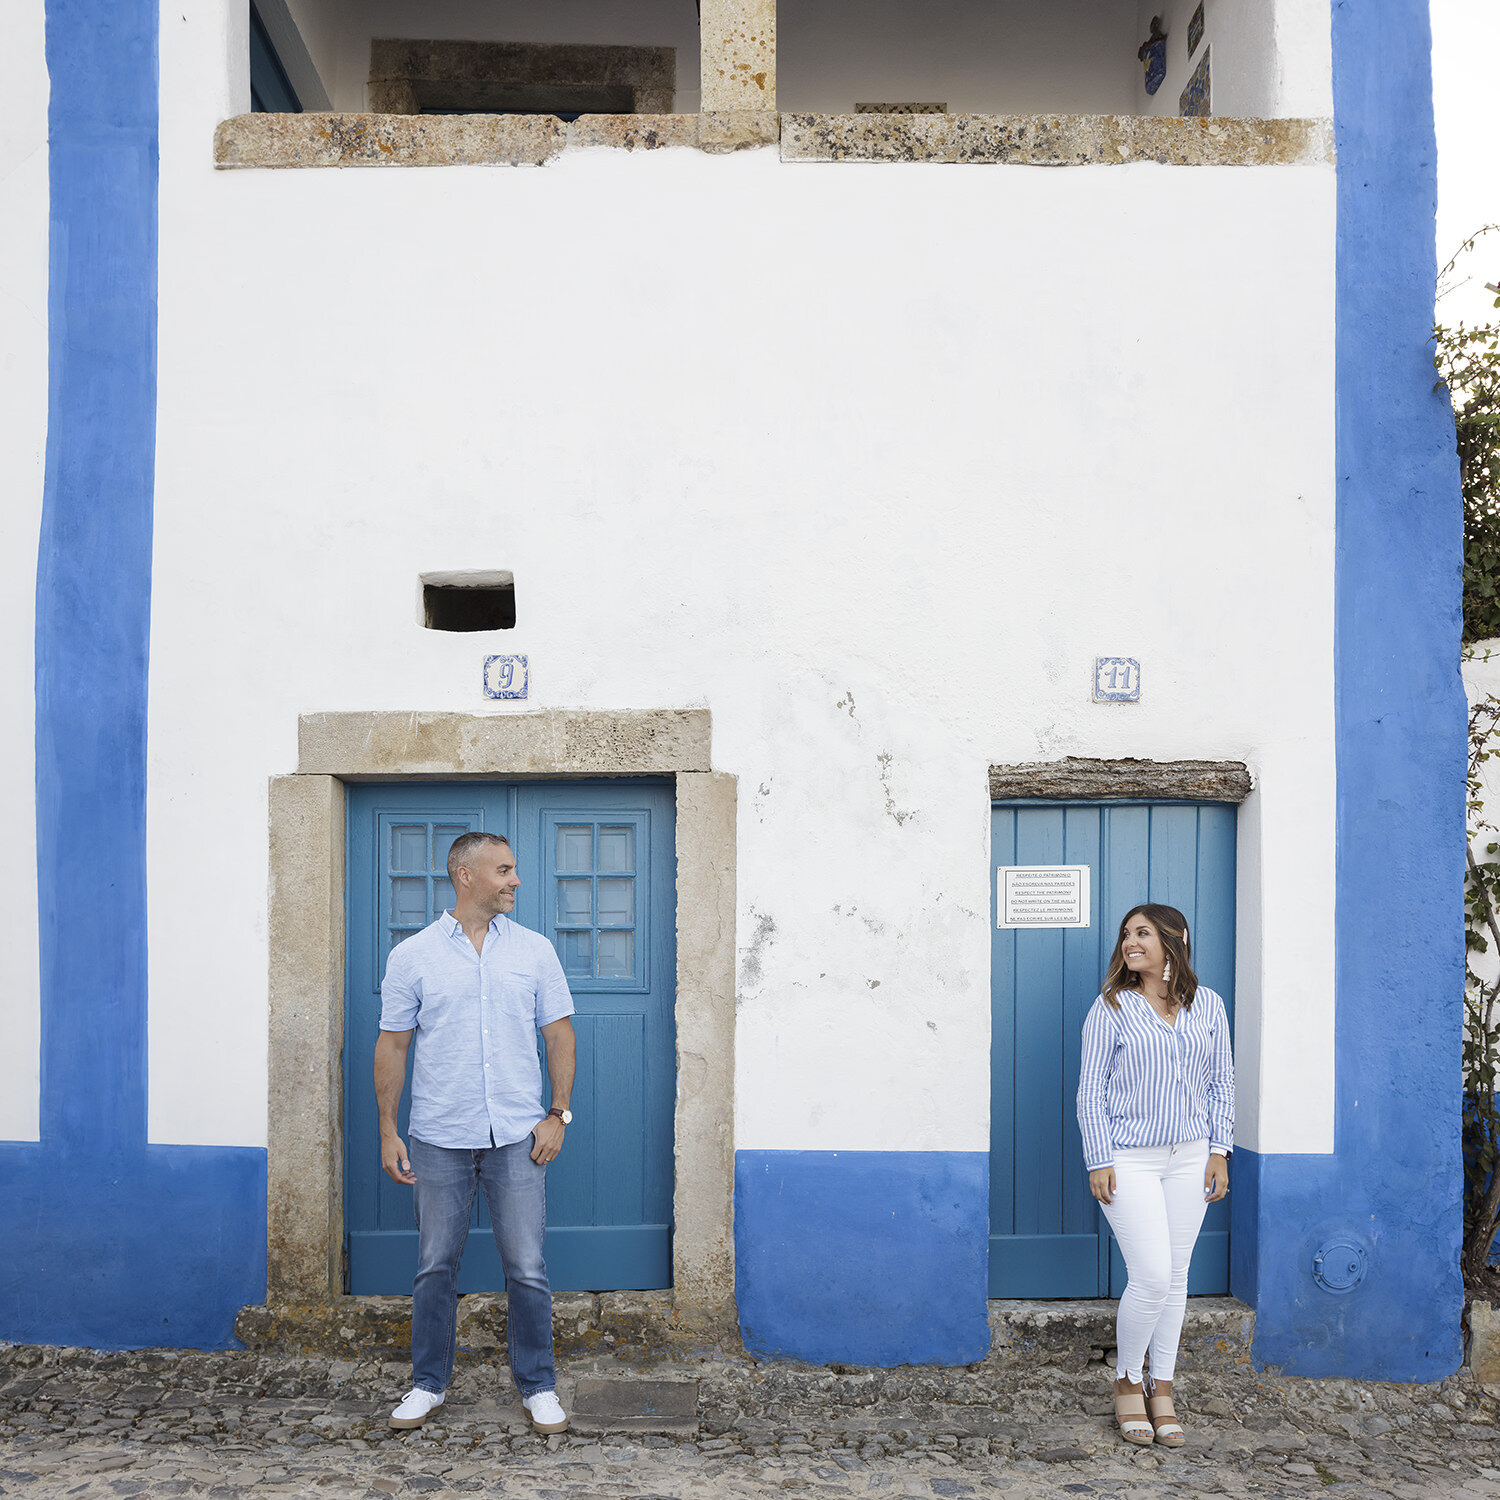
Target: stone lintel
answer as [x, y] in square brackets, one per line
[390, 140]
[556, 742]
[1076, 779]
[1055, 140]
[403, 139]
[737, 48]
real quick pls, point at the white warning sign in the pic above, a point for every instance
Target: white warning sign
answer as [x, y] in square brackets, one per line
[1042, 896]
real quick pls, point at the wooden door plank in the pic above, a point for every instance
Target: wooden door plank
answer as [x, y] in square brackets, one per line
[1039, 1086]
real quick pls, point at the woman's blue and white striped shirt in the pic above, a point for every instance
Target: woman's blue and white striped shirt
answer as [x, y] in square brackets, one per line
[1144, 1083]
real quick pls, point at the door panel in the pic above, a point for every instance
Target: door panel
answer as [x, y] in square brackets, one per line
[1047, 1236]
[598, 878]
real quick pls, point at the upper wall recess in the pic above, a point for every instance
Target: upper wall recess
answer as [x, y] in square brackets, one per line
[979, 81]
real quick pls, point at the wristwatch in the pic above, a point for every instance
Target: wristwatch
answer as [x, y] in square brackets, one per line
[565, 1115]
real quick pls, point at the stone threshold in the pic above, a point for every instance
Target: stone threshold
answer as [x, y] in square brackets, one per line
[382, 140]
[647, 1323]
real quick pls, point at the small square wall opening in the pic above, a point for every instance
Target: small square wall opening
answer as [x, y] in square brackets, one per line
[468, 601]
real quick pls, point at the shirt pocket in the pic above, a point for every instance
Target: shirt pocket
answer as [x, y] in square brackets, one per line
[518, 993]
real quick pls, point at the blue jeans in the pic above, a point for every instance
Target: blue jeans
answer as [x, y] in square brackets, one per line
[515, 1187]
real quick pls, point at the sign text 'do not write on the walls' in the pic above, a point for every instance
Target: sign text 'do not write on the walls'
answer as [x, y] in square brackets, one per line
[1042, 896]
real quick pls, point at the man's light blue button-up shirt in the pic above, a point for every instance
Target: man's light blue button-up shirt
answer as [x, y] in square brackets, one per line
[476, 1078]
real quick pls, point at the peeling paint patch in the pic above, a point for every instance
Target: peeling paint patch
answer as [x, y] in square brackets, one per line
[899, 815]
[755, 952]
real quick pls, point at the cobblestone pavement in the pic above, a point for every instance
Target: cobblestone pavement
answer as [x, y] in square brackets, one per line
[160, 1423]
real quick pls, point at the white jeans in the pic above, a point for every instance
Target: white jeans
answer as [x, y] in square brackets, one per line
[1156, 1215]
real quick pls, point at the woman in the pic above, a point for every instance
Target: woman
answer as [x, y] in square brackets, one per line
[1156, 1108]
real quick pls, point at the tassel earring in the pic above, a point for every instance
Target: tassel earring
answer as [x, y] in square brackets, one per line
[1166, 972]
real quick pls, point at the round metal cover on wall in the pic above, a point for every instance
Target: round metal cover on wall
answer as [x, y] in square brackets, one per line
[1339, 1266]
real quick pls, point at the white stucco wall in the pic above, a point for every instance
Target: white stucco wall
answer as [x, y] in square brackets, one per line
[871, 462]
[23, 439]
[1271, 58]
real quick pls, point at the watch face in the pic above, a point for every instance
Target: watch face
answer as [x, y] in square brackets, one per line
[567, 1117]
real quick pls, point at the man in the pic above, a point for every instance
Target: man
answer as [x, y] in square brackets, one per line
[472, 988]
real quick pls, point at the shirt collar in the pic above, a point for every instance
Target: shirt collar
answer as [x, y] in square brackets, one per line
[453, 929]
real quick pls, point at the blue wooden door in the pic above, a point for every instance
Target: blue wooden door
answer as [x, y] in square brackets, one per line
[1047, 1235]
[598, 877]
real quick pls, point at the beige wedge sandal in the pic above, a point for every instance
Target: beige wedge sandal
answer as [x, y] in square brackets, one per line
[1130, 1416]
[1169, 1431]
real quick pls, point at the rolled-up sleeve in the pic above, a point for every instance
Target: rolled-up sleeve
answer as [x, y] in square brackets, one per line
[1101, 1040]
[1221, 1085]
[554, 999]
[399, 999]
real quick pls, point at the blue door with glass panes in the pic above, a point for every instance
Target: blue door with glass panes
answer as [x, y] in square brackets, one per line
[598, 878]
[1048, 1237]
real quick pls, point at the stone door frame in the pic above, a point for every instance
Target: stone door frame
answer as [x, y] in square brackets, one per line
[305, 1146]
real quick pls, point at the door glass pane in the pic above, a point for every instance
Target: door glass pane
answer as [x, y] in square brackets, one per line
[616, 902]
[616, 954]
[574, 948]
[616, 849]
[400, 935]
[409, 899]
[442, 895]
[409, 848]
[575, 849]
[574, 903]
[442, 842]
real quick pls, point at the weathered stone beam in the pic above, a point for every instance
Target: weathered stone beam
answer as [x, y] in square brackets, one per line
[1079, 780]
[557, 742]
[410, 140]
[1055, 140]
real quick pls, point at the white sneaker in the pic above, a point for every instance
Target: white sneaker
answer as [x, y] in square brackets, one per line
[416, 1406]
[546, 1412]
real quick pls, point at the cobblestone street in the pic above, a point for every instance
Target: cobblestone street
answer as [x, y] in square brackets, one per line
[157, 1422]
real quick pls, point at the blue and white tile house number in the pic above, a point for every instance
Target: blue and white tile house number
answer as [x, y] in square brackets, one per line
[1117, 679]
[506, 677]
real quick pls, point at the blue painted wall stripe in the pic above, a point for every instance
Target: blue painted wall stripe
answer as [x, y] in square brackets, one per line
[869, 1257]
[106, 1240]
[94, 571]
[1393, 1184]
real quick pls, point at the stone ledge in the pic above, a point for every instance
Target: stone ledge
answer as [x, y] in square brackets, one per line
[408, 140]
[1055, 140]
[1077, 779]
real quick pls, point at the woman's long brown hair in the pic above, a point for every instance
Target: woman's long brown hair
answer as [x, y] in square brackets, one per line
[1172, 928]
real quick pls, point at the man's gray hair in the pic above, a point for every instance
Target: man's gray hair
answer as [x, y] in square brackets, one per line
[465, 845]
